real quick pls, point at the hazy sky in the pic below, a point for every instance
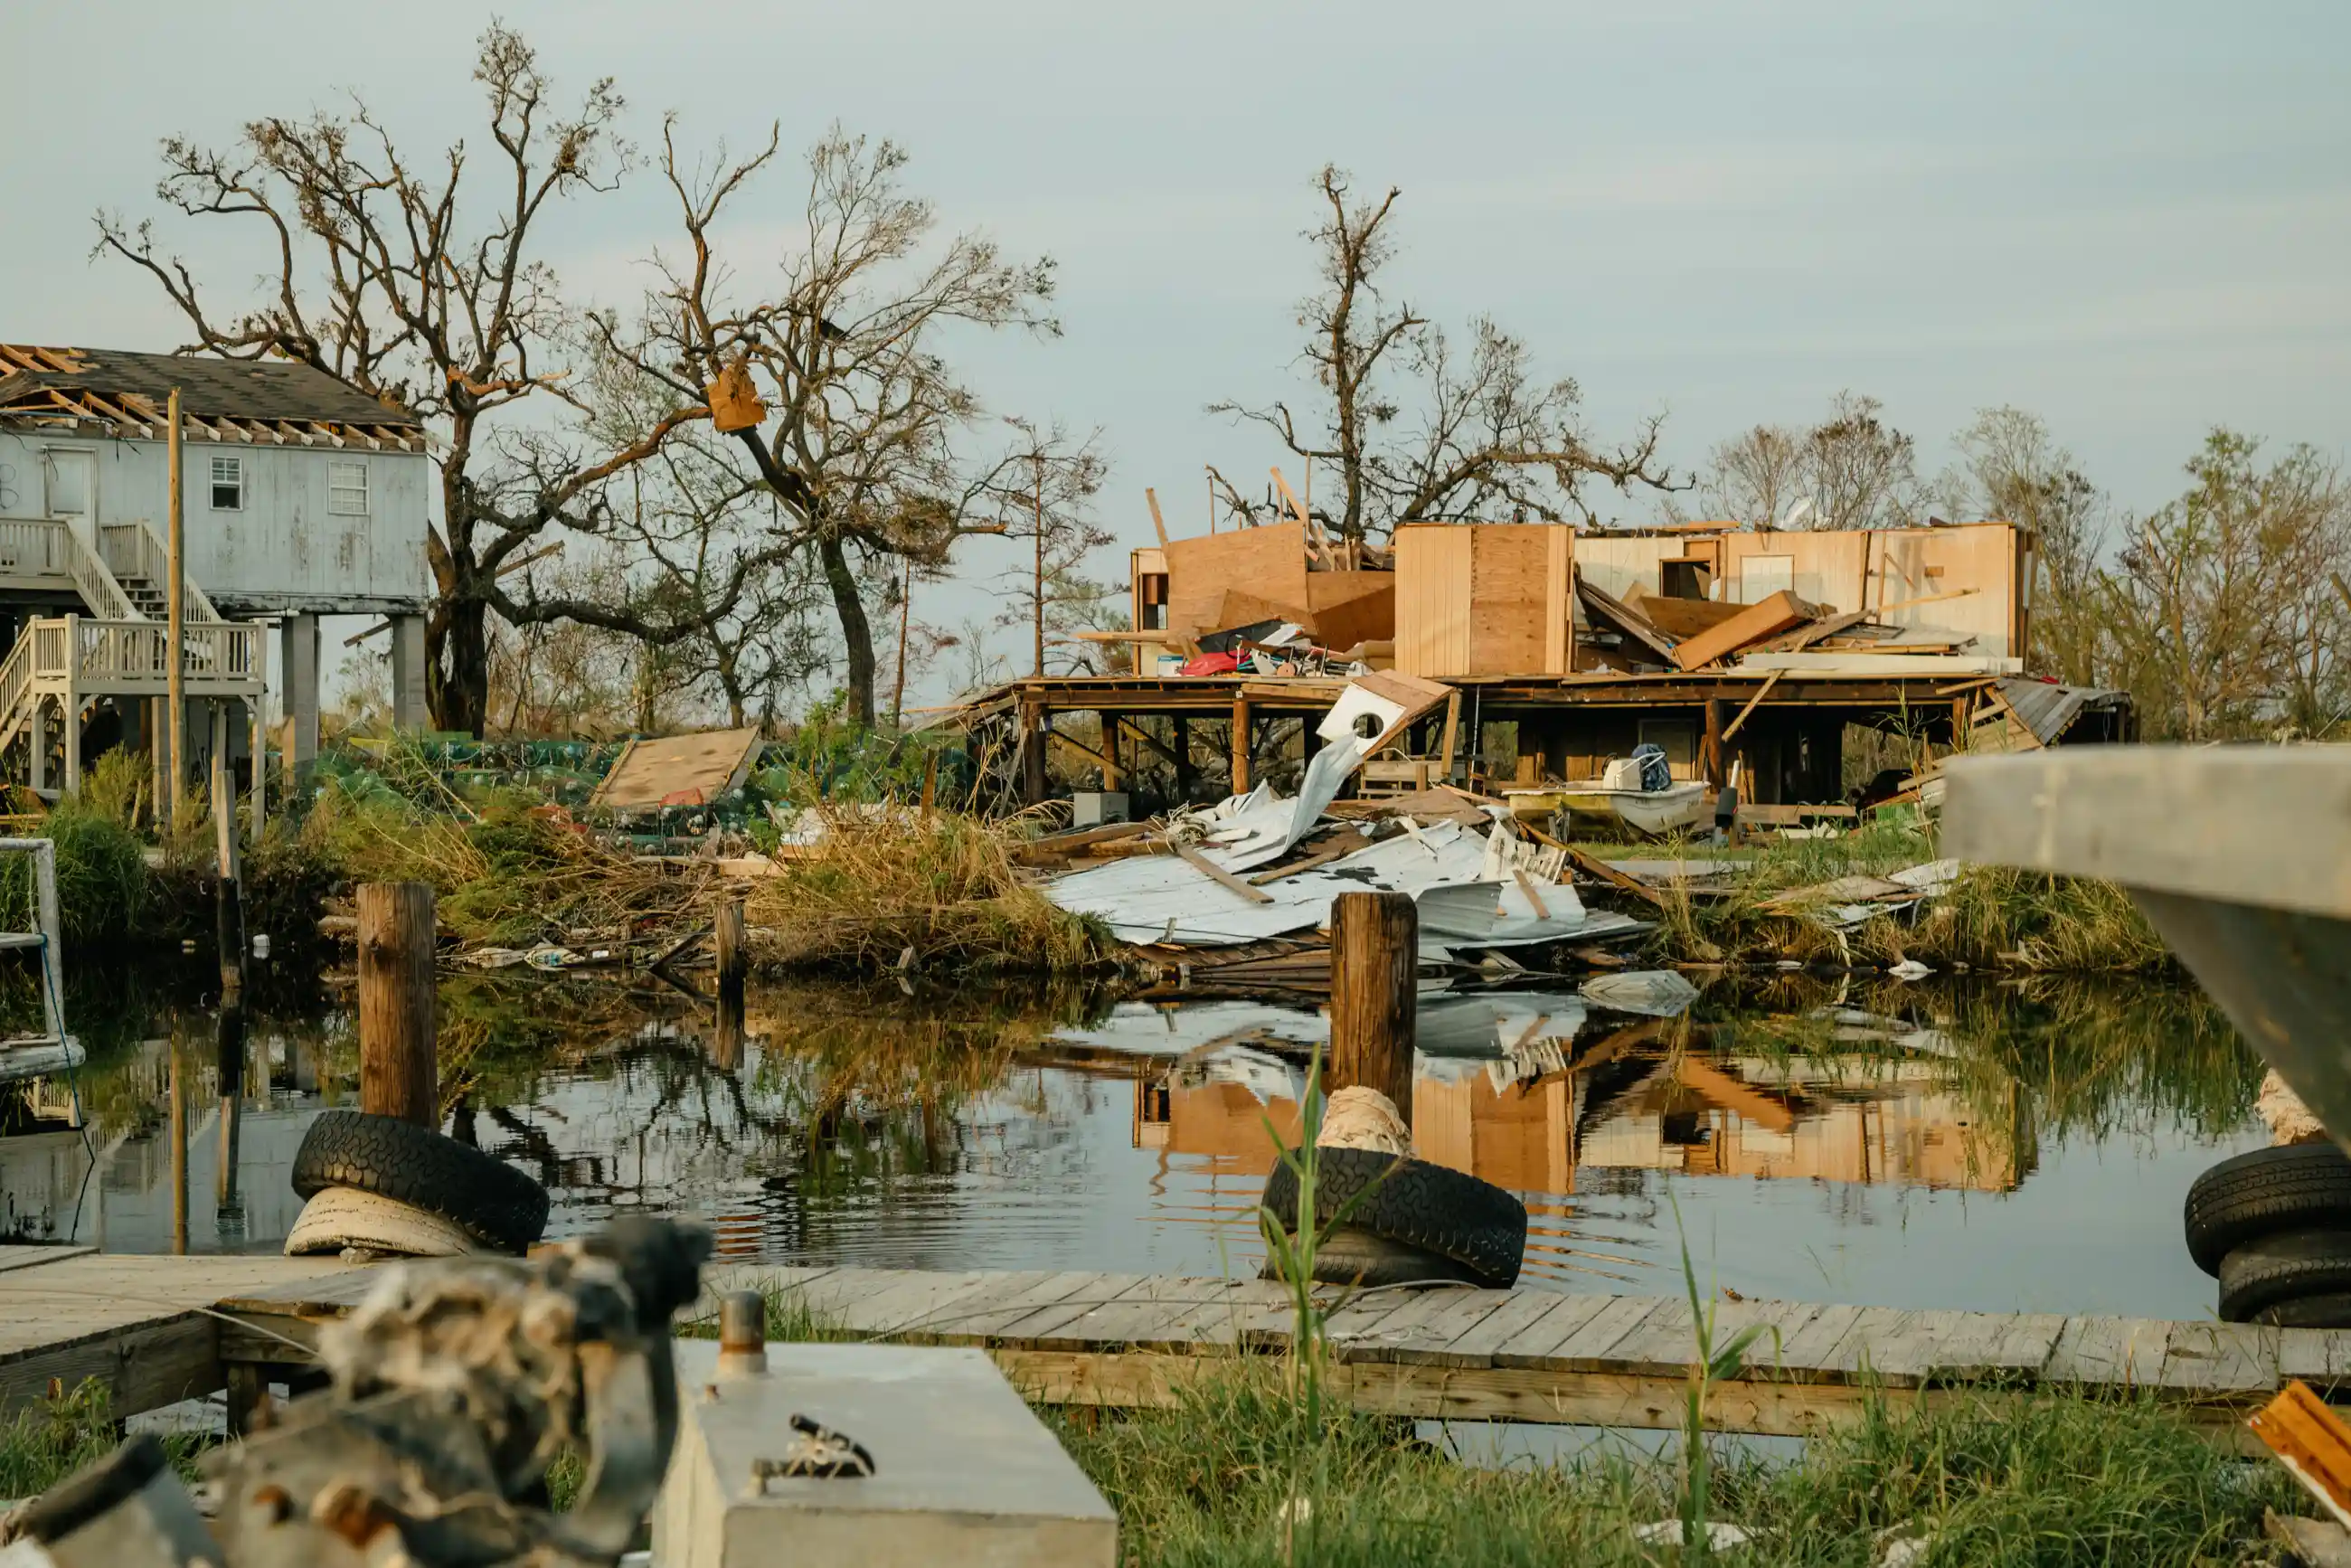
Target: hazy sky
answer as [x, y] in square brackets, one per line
[2132, 218]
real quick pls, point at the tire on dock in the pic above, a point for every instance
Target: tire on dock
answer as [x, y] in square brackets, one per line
[1431, 1207]
[2264, 1193]
[492, 1201]
[2299, 1266]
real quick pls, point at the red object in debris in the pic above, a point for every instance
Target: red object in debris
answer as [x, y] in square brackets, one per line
[1211, 664]
[683, 798]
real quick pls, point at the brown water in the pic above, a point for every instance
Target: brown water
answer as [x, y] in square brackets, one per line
[1990, 1146]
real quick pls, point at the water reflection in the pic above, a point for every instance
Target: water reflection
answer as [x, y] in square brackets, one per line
[1980, 1145]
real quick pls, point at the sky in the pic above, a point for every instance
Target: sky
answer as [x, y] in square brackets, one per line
[2128, 218]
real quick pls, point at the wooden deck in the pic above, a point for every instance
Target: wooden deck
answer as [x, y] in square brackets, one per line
[143, 1324]
[1083, 1338]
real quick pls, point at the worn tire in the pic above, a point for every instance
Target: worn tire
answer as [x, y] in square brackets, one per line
[339, 1218]
[1429, 1206]
[2298, 1266]
[416, 1165]
[1350, 1255]
[2308, 1313]
[2266, 1192]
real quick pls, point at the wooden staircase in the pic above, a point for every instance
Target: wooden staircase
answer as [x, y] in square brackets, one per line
[121, 650]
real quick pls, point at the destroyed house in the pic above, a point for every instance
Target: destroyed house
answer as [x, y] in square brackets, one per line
[300, 497]
[1743, 656]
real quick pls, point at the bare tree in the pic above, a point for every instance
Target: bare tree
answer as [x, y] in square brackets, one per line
[409, 284]
[863, 447]
[1043, 489]
[1415, 430]
[1757, 477]
[2017, 472]
[1852, 470]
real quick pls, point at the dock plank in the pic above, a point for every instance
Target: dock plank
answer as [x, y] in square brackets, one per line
[2126, 1353]
[1478, 1345]
[1422, 1333]
[2217, 1359]
[1532, 1349]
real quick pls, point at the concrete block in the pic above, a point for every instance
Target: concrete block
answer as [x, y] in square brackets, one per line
[965, 1474]
[1093, 808]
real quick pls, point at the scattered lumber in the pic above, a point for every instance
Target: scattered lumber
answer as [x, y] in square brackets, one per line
[1757, 623]
[1633, 626]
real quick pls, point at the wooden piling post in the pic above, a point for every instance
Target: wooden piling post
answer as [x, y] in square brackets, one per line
[1240, 746]
[1375, 964]
[398, 1074]
[728, 943]
[175, 620]
[179, 1113]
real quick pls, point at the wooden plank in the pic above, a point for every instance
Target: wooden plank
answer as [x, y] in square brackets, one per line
[1731, 729]
[1532, 1348]
[2102, 1352]
[2205, 1359]
[832, 1297]
[1514, 1316]
[995, 1315]
[144, 1365]
[1813, 1352]
[1227, 1323]
[1423, 1334]
[1037, 1328]
[1218, 874]
[33, 1257]
[1589, 1347]
[911, 1303]
[1142, 1314]
[1766, 620]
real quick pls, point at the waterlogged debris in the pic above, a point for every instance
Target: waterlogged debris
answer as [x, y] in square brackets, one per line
[1653, 993]
[1720, 1534]
[1910, 969]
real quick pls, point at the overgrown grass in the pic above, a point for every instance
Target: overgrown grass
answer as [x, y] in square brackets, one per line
[2052, 1482]
[941, 884]
[42, 1445]
[1992, 918]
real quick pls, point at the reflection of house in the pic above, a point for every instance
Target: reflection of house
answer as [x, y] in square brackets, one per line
[1885, 1123]
[1870, 1121]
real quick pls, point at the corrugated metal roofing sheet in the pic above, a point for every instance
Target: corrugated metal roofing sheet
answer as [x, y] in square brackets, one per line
[2049, 710]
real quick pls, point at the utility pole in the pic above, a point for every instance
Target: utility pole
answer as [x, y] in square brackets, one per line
[176, 684]
[1039, 564]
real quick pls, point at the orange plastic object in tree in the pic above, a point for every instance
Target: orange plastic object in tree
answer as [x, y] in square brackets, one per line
[2311, 1441]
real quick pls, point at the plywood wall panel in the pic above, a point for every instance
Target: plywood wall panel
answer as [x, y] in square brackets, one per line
[1268, 562]
[1510, 592]
[1824, 568]
[1929, 563]
[1432, 619]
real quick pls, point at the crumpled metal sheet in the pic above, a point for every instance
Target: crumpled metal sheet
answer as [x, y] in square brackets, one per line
[1655, 993]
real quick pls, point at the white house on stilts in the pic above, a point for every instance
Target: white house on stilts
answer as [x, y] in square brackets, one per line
[301, 498]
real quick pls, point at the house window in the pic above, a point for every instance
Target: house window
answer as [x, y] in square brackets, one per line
[347, 489]
[228, 484]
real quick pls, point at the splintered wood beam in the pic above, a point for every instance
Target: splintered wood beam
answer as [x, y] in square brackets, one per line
[1157, 521]
[1731, 729]
[1218, 874]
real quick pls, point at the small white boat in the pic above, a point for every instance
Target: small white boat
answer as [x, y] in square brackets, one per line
[1676, 808]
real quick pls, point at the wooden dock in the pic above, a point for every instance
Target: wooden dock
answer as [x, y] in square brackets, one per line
[1134, 1340]
[143, 1324]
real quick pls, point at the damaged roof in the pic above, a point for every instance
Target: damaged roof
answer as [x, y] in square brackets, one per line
[226, 400]
[2049, 710]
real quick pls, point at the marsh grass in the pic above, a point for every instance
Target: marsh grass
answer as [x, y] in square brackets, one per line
[1206, 1484]
[1992, 918]
[940, 883]
[43, 1444]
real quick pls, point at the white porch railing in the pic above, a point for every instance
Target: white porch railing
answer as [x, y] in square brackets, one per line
[98, 587]
[96, 655]
[32, 547]
[133, 550]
